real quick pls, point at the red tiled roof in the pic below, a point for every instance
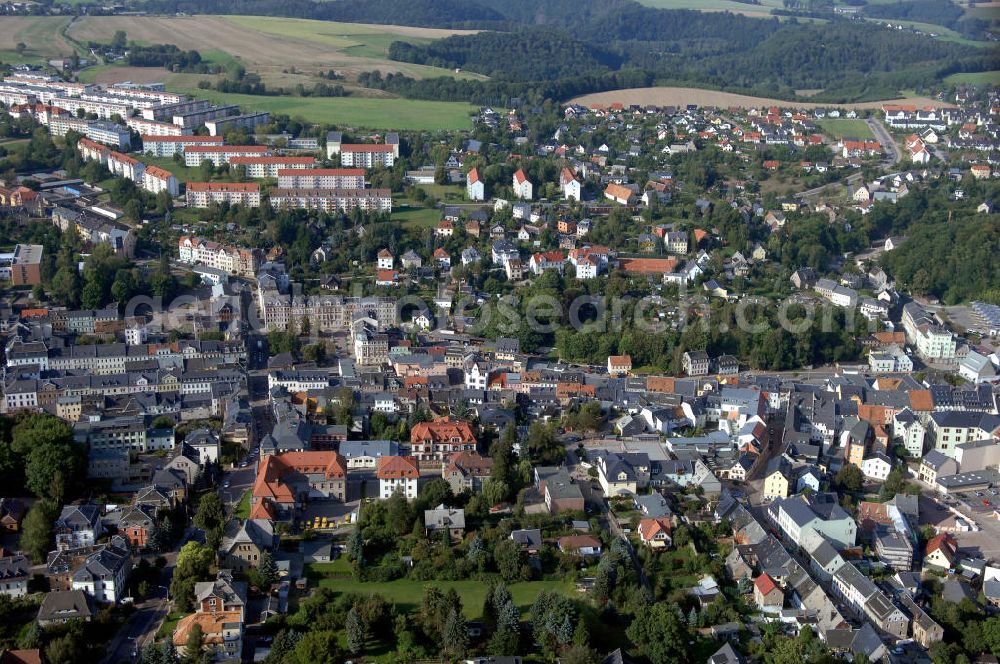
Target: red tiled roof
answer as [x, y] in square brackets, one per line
[442, 429]
[396, 467]
[765, 584]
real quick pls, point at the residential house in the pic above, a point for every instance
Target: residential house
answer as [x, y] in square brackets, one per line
[445, 519]
[243, 543]
[656, 532]
[580, 545]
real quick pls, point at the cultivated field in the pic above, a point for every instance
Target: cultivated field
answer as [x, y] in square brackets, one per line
[40, 34]
[975, 78]
[267, 45]
[665, 96]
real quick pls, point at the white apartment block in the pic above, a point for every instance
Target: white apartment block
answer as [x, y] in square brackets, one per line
[156, 179]
[128, 167]
[147, 92]
[321, 178]
[249, 121]
[60, 125]
[110, 133]
[145, 127]
[221, 154]
[267, 166]
[102, 109]
[92, 151]
[333, 200]
[168, 146]
[204, 194]
[933, 341]
[368, 155]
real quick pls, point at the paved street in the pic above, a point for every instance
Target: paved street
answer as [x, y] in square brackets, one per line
[893, 153]
[141, 627]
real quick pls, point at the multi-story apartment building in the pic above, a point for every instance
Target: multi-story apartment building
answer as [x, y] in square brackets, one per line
[221, 154]
[22, 267]
[397, 473]
[126, 433]
[94, 229]
[326, 313]
[932, 340]
[168, 146]
[948, 429]
[196, 118]
[204, 194]
[166, 110]
[368, 155]
[322, 178]
[333, 200]
[60, 125]
[104, 109]
[109, 133]
[267, 166]
[145, 127]
[371, 348]
[439, 439]
[232, 260]
[156, 179]
[249, 121]
[126, 166]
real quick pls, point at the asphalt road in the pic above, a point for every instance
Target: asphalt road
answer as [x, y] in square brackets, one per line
[141, 627]
[895, 155]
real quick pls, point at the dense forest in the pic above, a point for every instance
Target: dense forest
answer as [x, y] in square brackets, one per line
[533, 54]
[558, 48]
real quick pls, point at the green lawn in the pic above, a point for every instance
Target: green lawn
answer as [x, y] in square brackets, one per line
[243, 508]
[840, 127]
[416, 217]
[181, 172]
[367, 112]
[407, 594]
[975, 78]
[445, 192]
